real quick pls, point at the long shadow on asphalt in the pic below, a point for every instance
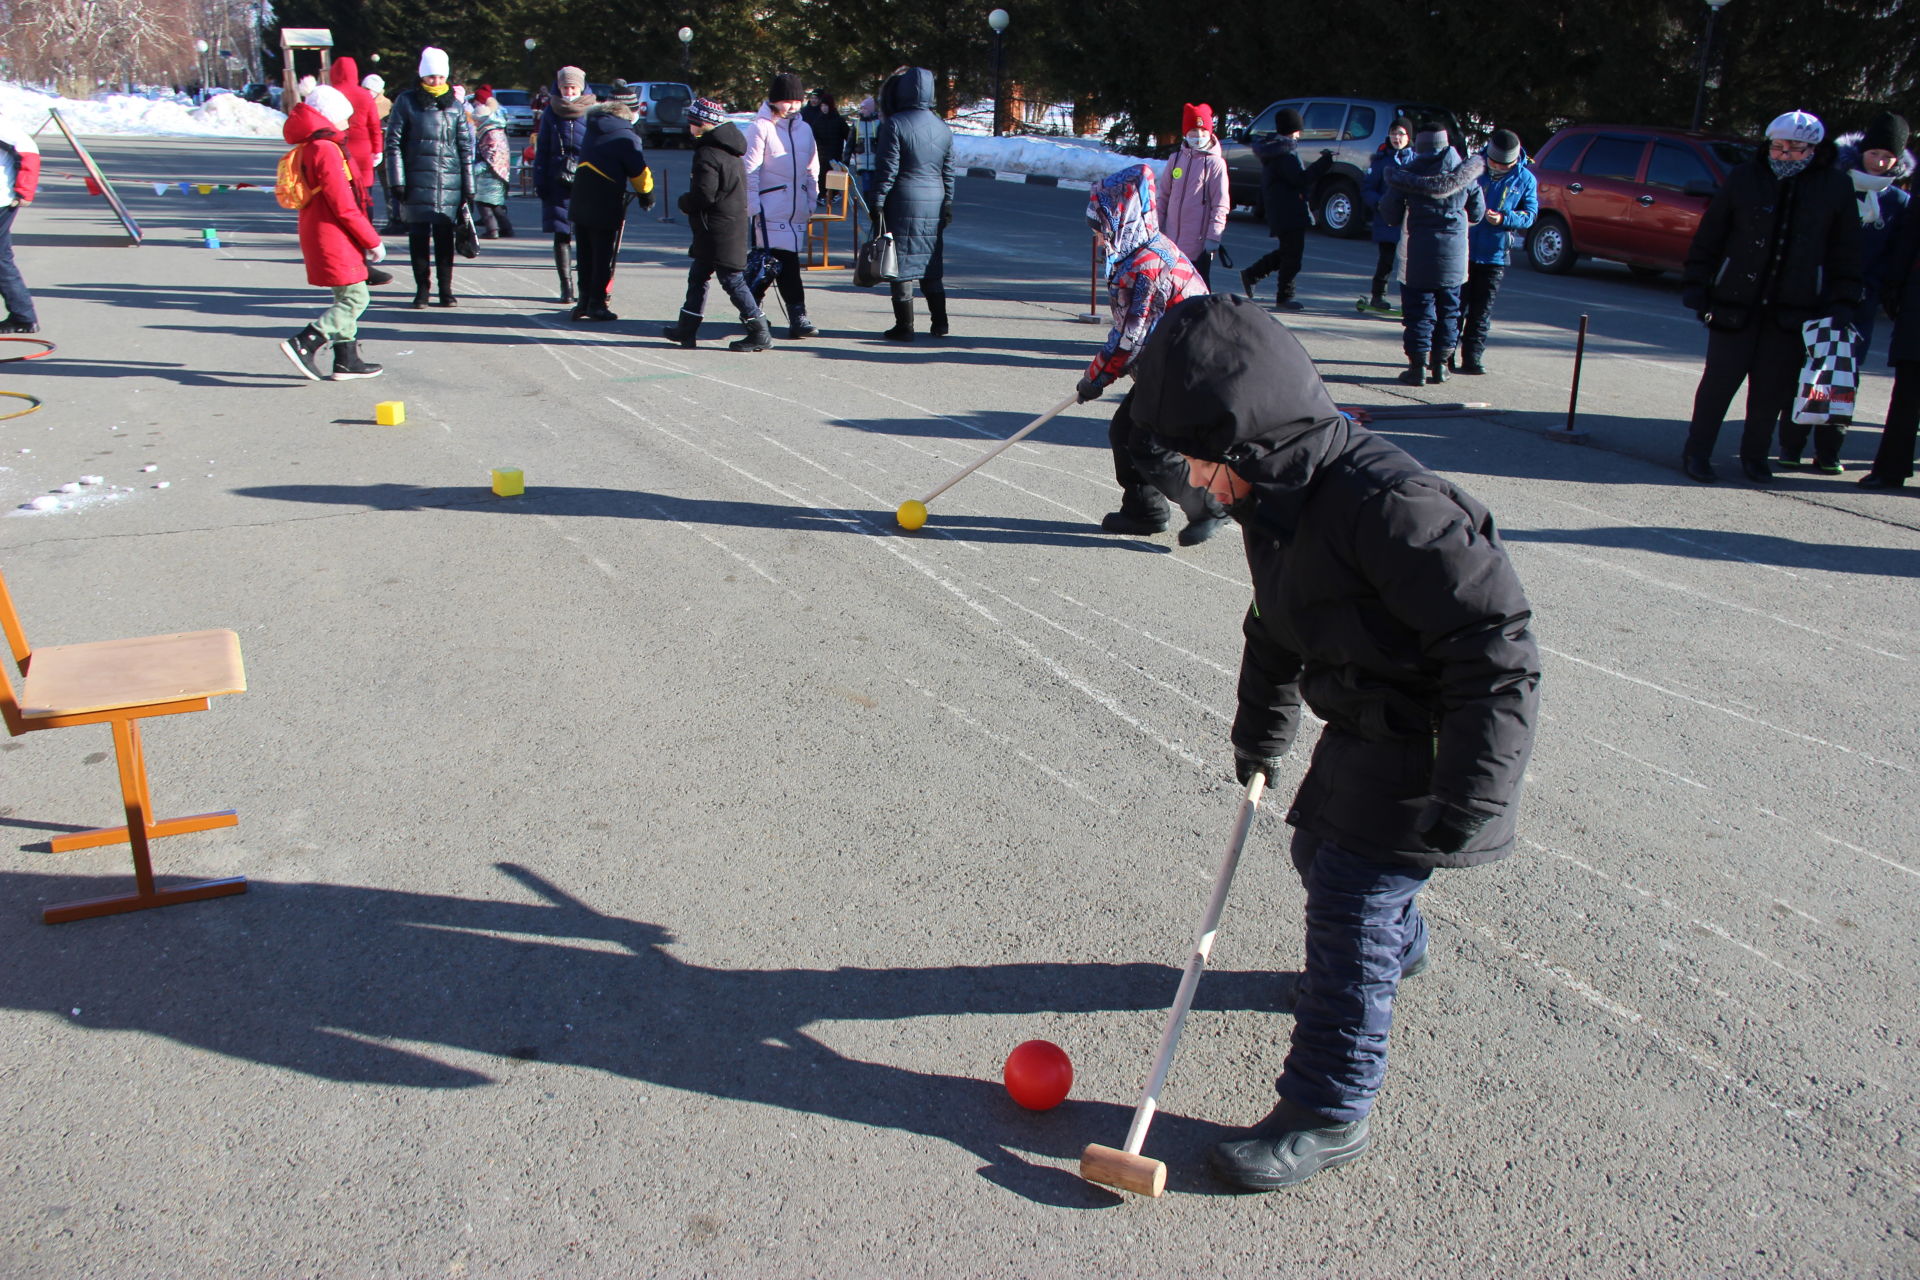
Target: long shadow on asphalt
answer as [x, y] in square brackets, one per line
[1727, 544]
[332, 980]
[639, 504]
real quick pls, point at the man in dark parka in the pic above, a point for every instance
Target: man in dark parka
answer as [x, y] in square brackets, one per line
[913, 193]
[715, 203]
[1384, 599]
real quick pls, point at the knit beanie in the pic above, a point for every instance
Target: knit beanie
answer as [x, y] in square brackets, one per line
[1195, 115]
[786, 87]
[483, 94]
[1430, 139]
[706, 111]
[571, 76]
[1503, 147]
[332, 104]
[1288, 121]
[373, 83]
[869, 108]
[622, 94]
[1403, 124]
[1888, 132]
[434, 62]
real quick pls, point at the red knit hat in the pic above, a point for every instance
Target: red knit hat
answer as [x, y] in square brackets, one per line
[1196, 116]
[483, 94]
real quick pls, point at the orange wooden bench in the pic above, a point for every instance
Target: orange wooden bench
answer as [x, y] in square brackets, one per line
[120, 683]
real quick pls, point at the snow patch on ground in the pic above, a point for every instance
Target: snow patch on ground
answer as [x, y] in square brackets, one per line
[225, 116]
[1078, 159]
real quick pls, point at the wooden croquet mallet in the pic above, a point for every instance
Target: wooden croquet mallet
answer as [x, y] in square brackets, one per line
[1127, 1168]
[912, 513]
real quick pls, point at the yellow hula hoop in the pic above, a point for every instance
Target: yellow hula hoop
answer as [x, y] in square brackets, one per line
[19, 413]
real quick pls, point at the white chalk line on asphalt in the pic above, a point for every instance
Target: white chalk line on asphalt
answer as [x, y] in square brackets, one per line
[1694, 593]
[1670, 905]
[1148, 635]
[1645, 764]
[1728, 711]
[1877, 857]
[885, 541]
[1008, 745]
[1665, 1039]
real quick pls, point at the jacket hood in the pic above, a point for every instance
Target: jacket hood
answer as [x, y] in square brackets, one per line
[345, 74]
[910, 90]
[602, 123]
[1437, 176]
[1849, 150]
[1223, 380]
[305, 124]
[1121, 209]
[727, 137]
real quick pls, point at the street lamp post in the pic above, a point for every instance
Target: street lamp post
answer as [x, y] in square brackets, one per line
[200, 52]
[530, 44]
[998, 20]
[1706, 58]
[686, 50]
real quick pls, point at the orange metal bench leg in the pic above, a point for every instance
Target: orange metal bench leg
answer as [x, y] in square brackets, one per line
[132, 760]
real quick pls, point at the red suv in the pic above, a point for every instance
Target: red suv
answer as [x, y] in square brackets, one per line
[1625, 192]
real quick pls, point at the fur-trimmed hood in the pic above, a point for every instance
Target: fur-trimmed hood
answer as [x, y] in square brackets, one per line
[1437, 176]
[1848, 145]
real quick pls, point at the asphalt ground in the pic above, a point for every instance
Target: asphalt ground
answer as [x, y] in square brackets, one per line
[649, 874]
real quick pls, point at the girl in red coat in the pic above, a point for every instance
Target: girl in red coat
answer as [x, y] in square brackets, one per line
[336, 240]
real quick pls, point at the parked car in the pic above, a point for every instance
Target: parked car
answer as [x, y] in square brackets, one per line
[1352, 128]
[1626, 193]
[516, 109]
[663, 111]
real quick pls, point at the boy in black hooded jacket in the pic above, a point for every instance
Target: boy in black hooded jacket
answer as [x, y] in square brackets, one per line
[715, 203]
[1384, 600]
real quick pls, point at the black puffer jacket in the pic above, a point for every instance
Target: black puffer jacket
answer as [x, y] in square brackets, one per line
[1286, 185]
[1900, 289]
[715, 200]
[913, 168]
[429, 154]
[1382, 596]
[1791, 248]
[612, 163]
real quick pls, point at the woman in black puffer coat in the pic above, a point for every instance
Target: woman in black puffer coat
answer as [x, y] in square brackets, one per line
[913, 192]
[429, 171]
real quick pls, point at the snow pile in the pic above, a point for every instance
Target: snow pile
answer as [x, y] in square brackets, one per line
[225, 116]
[1077, 159]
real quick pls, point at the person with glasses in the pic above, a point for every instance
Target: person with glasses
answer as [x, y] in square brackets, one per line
[1778, 246]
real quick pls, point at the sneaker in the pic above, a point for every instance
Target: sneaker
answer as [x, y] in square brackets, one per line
[1698, 469]
[1788, 462]
[1288, 1147]
[1418, 965]
[13, 324]
[1828, 466]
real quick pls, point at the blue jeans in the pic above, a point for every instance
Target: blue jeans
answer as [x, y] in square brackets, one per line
[1362, 930]
[732, 283]
[13, 287]
[1431, 318]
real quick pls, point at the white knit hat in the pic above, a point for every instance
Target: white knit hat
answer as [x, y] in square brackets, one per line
[1796, 126]
[372, 83]
[332, 104]
[434, 62]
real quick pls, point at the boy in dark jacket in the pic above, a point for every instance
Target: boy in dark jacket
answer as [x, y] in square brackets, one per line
[1286, 185]
[1384, 600]
[1778, 246]
[611, 162]
[1436, 198]
[1146, 274]
[1395, 152]
[715, 203]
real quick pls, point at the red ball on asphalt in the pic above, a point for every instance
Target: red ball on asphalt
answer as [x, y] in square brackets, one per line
[1039, 1075]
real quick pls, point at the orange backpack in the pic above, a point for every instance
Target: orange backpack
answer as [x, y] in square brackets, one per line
[290, 184]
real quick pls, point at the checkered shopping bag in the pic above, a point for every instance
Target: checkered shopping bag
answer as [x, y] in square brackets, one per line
[1827, 379]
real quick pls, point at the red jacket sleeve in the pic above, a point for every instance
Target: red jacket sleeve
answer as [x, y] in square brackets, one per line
[27, 181]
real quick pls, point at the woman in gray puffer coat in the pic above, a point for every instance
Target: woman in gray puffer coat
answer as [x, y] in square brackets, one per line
[913, 193]
[429, 171]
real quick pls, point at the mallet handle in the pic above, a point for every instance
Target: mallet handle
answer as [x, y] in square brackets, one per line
[1003, 446]
[1190, 980]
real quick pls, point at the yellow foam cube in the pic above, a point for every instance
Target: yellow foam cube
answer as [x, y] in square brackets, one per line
[390, 413]
[508, 482]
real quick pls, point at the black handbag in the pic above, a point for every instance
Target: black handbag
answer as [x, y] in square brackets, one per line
[466, 238]
[762, 266]
[878, 261]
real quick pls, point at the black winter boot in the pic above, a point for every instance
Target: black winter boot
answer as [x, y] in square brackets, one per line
[1248, 279]
[798, 326]
[1470, 362]
[376, 277]
[563, 263]
[936, 312]
[759, 336]
[303, 348]
[902, 330]
[444, 275]
[1437, 367]
[1141, 511]
[421, 285]
[1415, 374]
[347, 364]
[1288, 1147]
[684, 329]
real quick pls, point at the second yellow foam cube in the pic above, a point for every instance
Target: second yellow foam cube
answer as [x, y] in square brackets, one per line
[390, 413]
[508, 482]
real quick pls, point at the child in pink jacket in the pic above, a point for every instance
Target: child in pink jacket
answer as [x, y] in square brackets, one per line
[1193, 200]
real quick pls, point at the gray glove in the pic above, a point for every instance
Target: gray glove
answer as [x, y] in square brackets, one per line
[1087, 389]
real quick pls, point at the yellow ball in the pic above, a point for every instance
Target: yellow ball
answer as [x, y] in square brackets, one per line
[911, 514]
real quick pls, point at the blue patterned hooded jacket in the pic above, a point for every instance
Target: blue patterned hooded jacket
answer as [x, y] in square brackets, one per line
[1146, 272]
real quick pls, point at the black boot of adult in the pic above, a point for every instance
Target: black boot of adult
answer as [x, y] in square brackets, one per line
[759, 336]
[902, 330]
[443, 271]
[1437, 367]
[1415, 374]
[422, 278]
[683, 330]
[563, 263]
[936, 311]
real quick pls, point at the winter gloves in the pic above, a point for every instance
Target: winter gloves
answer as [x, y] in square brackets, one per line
[376, 254]
[946, 216]
[1449, 828]
[1086, 389]
[1245, 766]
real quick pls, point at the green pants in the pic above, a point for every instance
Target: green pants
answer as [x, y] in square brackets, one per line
[341, 321]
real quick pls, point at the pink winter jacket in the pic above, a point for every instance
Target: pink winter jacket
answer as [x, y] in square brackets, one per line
[1193, 200]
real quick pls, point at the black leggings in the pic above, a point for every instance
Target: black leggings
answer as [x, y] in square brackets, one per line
[440, 232]
[596, 247]
[1383, 256]
[1894, 459]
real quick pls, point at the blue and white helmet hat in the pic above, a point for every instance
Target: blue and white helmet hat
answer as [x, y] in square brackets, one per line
[1797, 126]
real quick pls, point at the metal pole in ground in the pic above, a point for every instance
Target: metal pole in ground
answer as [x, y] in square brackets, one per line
[1573, 397]
[1092, 314]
